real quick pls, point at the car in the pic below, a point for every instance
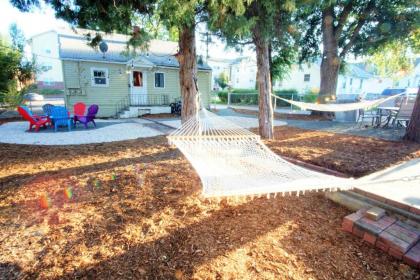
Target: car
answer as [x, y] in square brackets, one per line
[32, 96]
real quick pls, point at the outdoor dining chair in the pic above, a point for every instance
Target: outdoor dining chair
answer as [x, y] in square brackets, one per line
[368, 114]
[403, 116]
[33, 120]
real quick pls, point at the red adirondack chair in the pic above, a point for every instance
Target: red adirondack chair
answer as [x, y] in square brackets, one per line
[79, 110]
[33, 120]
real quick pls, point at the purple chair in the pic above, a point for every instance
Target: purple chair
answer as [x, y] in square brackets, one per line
[91, 114]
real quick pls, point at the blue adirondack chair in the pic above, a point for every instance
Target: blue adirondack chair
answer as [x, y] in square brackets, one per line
[47, 110]
[61, 117]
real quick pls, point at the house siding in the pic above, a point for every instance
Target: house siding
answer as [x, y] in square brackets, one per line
[77, 75]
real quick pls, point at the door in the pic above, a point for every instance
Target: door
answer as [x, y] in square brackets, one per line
[138, 88]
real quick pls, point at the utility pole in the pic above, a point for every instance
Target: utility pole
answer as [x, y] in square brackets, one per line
[207, 41]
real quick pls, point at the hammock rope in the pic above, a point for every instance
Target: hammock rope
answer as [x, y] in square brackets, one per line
[233, 161]
[341, 107]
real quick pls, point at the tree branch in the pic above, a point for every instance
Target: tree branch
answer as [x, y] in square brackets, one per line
[342, 19]
[362, 20]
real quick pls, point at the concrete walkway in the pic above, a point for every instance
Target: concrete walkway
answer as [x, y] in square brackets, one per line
[400, 183]
[393, 134]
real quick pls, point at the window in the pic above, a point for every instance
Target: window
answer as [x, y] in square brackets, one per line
[344, 84]
[99, 77]
[307, 77]
[351, 81]
[137, 79]
[46, 68]
[159, 80]
[361, 83]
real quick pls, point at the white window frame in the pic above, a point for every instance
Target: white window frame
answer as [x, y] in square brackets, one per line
[164, 80]
[92, 77]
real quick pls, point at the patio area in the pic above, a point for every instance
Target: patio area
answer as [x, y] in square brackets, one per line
[106, 131]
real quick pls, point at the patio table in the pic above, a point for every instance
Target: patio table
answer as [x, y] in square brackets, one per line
[386, 111]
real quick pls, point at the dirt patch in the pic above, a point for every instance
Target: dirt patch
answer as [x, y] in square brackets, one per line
[285, 116]
[133, 209]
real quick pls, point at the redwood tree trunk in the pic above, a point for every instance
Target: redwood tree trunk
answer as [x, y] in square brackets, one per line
[330, 64]
[188, 73]
[413, 129]
[265, 115]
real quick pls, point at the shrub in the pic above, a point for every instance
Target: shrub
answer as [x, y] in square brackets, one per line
[245, 90]
[290, 94]
[310, 97]
[223, 96]
[12, 97]
[244, 99]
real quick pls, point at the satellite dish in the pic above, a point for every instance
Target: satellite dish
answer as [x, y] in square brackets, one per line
[103, 47]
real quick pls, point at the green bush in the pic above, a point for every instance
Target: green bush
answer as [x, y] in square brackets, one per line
[290, 94]
[12, 97]
[223, 96]
[244, 90]
[244, 99]
[310, 97]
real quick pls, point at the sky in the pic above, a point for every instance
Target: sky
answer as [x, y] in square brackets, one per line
[43, 19]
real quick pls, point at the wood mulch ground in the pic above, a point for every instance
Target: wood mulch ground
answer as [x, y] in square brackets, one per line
[132, 210]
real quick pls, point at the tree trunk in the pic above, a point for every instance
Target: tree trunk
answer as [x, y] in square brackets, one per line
[329, 77]
[330, 60]
[413, 129]
[188, 73]
[265, 115]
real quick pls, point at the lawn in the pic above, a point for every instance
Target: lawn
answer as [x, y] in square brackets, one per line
[133, 209]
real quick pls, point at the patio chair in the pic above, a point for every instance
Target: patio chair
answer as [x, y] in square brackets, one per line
[33, 120]
[403, 116]
[61, 117]
[79, 110]
[90, 116]
[46, 108]
[368, 114]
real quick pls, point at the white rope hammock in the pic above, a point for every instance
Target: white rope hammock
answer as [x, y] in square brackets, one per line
[232, 161]
[333, 107]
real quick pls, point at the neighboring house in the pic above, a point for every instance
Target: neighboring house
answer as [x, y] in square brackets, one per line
[412, 79]
[45, 51]
[120, 84]
[218, 66]
[241, 71]
[356, 79]
[303, 78]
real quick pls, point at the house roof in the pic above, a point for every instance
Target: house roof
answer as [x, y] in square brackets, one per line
[73, 46]
[356, 70]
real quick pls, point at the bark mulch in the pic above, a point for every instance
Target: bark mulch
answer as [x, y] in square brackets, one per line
[132, 210]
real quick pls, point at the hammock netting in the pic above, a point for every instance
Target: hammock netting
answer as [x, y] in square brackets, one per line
[232, 161]
[337, 107]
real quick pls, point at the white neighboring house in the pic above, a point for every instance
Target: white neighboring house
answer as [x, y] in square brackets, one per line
[45, 51]
[413, 78]
[355, 80]
[218, 66]
[241, 71]
[303, 78]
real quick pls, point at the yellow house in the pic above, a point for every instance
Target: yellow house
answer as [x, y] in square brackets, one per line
[124, 85]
